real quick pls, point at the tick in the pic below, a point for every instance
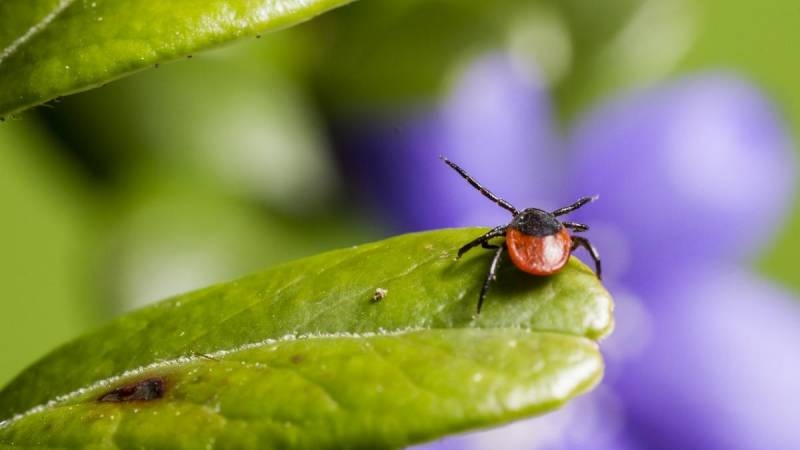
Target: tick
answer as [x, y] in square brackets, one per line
[537, 242]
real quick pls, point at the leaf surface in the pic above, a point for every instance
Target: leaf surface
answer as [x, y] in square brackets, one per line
[50, 48]
[306, 355]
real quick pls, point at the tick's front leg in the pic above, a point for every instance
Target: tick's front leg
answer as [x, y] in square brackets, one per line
[493, 233]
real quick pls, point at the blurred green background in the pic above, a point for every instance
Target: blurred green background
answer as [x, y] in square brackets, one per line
[203, 170]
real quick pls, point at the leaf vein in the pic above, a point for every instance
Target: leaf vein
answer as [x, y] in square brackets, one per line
[35, 29]
[249, 306]
[325, 390]
[332, 305]
[403, 373]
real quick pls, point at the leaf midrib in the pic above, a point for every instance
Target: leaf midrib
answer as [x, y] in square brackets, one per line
[35, 29]
[113, 380]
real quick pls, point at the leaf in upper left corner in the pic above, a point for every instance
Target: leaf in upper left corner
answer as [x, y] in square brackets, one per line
[51, 48]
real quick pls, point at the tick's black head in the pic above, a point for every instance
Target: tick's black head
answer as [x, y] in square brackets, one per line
[536, 222]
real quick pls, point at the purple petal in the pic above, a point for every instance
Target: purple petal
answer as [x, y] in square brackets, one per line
[695, 171]
[721, 368]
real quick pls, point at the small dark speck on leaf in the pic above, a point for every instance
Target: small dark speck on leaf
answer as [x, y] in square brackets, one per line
[258, 36]
[379, 295]
[189, 56]
[155, 65]
[144, 390]
[297, 359]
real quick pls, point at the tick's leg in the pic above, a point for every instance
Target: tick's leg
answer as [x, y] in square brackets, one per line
[583, 242]
[574, 206]
[489, 246]
[486, 193]
[491, 276]
[493, 233]
[576, 227]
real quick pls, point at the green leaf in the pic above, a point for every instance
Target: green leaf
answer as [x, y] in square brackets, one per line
[306, 355]
[51, 48]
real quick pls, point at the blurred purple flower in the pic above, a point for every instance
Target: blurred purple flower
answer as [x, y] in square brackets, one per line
[721, 367]
[495, 119]
[693, 177]
[695, 171]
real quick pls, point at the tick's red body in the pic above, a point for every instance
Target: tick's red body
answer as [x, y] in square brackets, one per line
[538, 255]
[537, 242]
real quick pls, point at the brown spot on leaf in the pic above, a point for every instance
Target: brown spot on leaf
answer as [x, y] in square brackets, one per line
[297, 359]
[143, 390]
